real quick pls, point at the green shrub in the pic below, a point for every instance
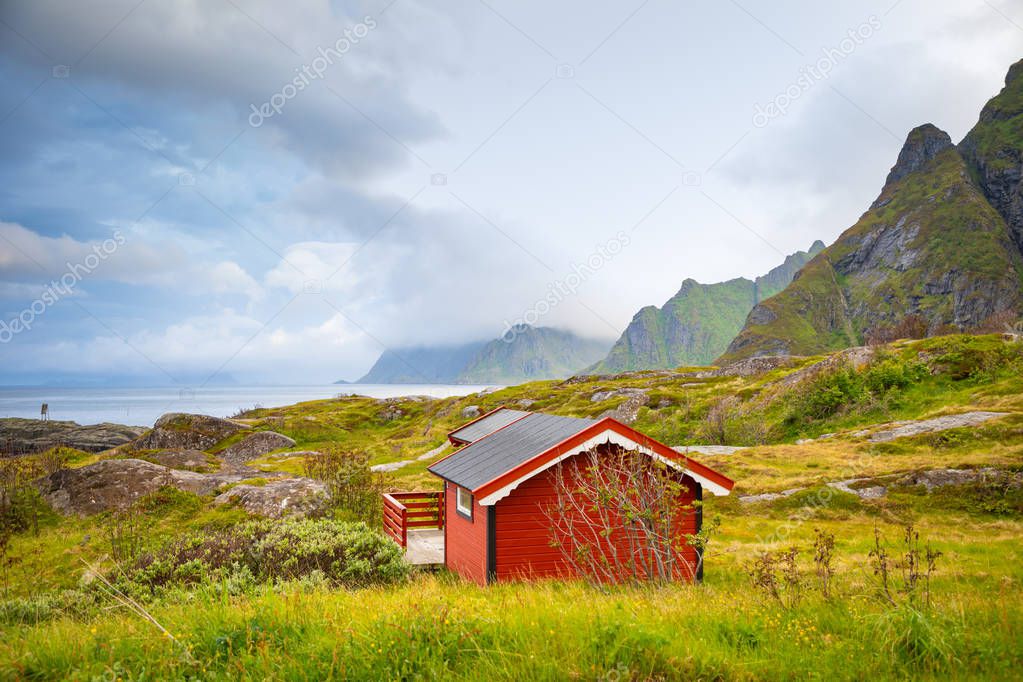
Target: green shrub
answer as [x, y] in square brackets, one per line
[44, 607]
[843, 389]
[349, 554]
[887, 374]
[827, 394]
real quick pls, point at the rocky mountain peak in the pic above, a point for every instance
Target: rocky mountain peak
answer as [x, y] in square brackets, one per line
[1009, 102]
[1015, 75]
[922, 145]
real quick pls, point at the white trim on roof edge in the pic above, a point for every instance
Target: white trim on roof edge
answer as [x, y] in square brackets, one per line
[606, 436]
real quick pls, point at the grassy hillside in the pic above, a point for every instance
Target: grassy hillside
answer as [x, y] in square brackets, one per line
[56, 622]
[696, 325]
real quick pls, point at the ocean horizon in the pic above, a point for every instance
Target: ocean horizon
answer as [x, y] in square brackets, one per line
[137, 406]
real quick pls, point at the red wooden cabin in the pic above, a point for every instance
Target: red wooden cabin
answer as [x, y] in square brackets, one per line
[502, 478]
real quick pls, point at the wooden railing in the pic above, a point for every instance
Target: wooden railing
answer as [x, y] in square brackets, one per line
[412, 510]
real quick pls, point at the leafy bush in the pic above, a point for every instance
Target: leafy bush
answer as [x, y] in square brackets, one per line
[43, 607]
[349, 554]
[887, 374]
[972, 357]
[842, 389]
[998, 496]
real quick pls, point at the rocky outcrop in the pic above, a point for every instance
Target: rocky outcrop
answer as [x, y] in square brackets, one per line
[906, 429]
[922, 145]
[750, 367]
[628, 411]
[995, 152]
[287, 497]
[931, 479]
[878, 487]
[256, 445]
[117, 483]
[21, 436]
[188, 431]
[769, 497]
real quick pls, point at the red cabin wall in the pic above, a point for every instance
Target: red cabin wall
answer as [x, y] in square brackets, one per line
[465, 541]
[523, 533]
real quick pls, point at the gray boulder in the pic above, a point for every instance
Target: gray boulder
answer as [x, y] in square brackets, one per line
[188, 431]
[22, 436]
[256, 445]
[117, 483]
[286, 497]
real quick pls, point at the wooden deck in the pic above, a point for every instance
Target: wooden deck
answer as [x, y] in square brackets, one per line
[425, 547]
[415, 521]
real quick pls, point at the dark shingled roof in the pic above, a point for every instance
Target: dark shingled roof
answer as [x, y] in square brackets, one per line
[503, 450]
[473, 431]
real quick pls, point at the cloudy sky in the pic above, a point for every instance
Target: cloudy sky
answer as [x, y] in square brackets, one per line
[275, 192]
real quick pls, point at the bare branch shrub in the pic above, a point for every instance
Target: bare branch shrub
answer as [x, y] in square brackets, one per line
[124, 531]
[355, 489]
[823, 553]
[621, 516]
[732, 422]
[914, 566]
[777, 575]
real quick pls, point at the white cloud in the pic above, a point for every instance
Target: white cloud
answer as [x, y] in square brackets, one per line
[314, 266]
[129, 259]
[284, 351]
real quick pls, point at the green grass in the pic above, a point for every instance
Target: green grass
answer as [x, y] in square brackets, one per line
[438, 627]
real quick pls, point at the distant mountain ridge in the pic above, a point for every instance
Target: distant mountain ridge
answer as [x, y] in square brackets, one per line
[524, 354]
[421, 365]
[696, 325]
[943, 244]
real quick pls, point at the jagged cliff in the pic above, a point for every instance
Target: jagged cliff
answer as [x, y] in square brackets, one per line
[696, 324]
[943, 241]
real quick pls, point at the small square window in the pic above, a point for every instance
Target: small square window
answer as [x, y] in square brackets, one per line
[463, 502]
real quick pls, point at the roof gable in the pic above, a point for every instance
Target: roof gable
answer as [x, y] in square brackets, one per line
[604, 430]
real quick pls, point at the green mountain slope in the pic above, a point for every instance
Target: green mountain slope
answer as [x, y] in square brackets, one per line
[523, 354]
[944, 241]
[696, 324]
[531, 353]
